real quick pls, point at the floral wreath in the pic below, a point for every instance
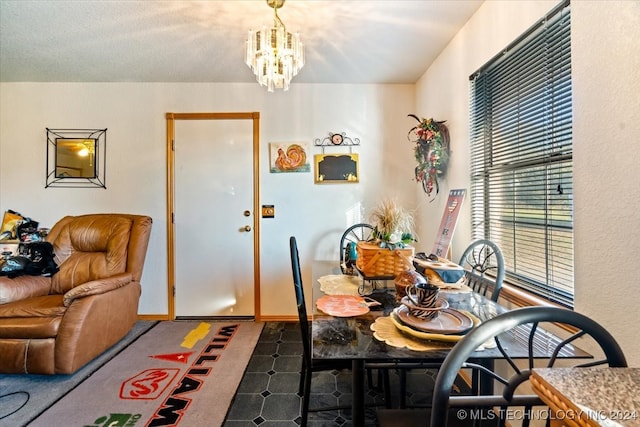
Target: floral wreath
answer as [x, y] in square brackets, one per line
[431, 139]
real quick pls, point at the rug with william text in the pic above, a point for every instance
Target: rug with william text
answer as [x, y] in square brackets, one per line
[181, 373]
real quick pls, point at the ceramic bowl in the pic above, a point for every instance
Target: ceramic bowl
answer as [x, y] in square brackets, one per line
[425, 313]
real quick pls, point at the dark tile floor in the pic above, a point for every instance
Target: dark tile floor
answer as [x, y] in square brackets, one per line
[267, 395]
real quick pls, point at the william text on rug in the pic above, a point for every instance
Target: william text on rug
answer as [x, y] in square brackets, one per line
[181, 373]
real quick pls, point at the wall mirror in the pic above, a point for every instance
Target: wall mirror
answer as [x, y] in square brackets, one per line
[76, 157]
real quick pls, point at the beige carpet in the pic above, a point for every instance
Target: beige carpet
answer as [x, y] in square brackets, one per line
[180, 373]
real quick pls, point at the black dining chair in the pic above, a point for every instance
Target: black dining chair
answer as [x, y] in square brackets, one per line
[539, 329]
[484, 265]
[309, 364]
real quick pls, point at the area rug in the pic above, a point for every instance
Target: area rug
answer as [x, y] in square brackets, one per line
[24, 397]
[180, 373]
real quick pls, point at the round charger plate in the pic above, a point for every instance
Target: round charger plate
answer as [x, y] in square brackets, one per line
[393, 332]
[389, 330]
[342, 305]
[449, 321]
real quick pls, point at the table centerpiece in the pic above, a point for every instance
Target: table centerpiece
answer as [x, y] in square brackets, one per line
[389, 252]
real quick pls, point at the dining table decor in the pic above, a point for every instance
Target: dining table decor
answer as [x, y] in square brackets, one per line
[340, 284]
[375, 261]
[407, 278]
[397, 335]
[424, 313]
[345, 305]
[388, 252]
[423, 294]
[394, 332]
[449, 321]
[441, 272]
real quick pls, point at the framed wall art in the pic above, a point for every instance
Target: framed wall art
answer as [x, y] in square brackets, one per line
[336, 168]
[289, 157]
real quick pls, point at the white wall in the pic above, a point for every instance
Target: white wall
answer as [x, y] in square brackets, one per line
[606, 60]
[606, 71]
[134, 115]
[606, 90]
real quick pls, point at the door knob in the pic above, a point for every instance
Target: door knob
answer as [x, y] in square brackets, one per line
[247, 228]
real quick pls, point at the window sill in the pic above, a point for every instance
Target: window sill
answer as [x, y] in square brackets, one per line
[517, 298]
[520, 298]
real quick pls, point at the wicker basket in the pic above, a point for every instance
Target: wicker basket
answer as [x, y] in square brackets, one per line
[374, 261]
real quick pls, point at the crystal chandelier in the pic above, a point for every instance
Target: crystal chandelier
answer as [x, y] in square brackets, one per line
[274, 54]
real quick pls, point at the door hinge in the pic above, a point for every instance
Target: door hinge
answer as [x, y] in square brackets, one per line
[173, 145]
[173, 218]
[174, 291]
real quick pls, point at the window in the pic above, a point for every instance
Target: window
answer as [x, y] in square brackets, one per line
[522, 157]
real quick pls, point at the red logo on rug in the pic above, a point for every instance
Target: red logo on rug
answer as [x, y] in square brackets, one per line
[174, 357]
[148, 384]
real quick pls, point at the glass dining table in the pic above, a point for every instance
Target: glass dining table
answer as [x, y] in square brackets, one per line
[352, 337]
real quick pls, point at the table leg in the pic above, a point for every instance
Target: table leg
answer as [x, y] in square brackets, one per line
[486, 381]
[357, 403]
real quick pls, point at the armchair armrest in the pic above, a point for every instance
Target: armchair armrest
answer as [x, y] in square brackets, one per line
[96, 287]
[23, 287]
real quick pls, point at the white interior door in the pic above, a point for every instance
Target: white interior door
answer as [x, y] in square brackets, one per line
[213, 218]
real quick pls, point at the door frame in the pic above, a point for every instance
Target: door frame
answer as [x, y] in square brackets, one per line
[171, 275]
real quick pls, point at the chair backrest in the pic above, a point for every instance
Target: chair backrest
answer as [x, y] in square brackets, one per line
[302, 306]
[96, 246]
[533, 325]
[481, 257]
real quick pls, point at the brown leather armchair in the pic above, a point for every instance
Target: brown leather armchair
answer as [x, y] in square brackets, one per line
[56, 325]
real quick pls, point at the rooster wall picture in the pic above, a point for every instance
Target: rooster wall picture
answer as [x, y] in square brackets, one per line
[289, 157]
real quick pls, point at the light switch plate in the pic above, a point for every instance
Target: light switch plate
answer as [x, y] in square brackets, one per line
[268, 211]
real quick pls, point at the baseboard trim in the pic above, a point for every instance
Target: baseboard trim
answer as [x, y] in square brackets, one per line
[278, 318]
[153, 317]
[275, 318]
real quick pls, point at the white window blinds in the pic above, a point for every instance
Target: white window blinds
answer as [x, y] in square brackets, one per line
[521, 157]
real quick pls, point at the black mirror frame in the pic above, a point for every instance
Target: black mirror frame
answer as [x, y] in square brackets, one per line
[54, 179]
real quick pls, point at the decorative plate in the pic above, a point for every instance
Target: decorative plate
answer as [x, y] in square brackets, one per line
[386, 330]
[343, 305]
[449, 321]
[407, 330]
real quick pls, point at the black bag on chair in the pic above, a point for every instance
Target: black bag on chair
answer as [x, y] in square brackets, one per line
[14, 266]
[36, 260]
[42, 262]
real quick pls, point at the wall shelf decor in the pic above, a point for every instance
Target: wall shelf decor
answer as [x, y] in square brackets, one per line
[336, 140]
[76, 158]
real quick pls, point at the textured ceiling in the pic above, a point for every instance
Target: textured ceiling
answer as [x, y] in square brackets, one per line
[346, 41]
